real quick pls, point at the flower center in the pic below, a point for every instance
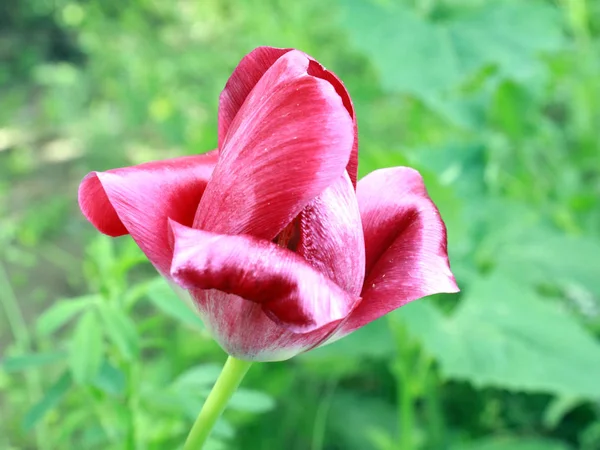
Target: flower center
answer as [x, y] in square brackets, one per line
[289, 236]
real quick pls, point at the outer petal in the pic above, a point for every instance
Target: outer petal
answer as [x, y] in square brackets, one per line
[331, 236]
[248, 73]
[244, 330]
[290, 140]
[405, 240]
[290, 291]
[138, 200]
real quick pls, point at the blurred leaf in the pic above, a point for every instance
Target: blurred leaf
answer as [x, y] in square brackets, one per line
[173, 402]
[542, 256]
[223, 429]
[120, 329]
[510, 443]
[251, 401]
[51, 398]
[590, 436]
[86, 348]
[512, 109]
[165, 299]
[215, 444]
[411, 54]
[358, 422]
[557, 409]
[31, 361]
[419, 55]
[347, 355]
[110, 379]
[61, 312]
[373, 340]
[201, 376]
[504, 335]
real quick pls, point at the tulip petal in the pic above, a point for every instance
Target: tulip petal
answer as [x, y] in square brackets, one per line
[241, 82]
[244, 331]
[331, 236]
[317, 70]
[249, 72]
[291, 139]
[406, 249]
[138, 200]
[289, 290]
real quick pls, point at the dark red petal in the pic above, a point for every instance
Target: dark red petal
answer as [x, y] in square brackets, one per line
[291, 139]
[331, 236]
[405, 239]
[248, 73]
[289, 290]
[139, 200]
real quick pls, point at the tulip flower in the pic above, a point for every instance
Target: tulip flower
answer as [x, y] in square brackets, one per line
[270, 237]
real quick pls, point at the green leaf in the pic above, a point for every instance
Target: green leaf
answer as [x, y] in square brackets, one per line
[201, 376]
[223, 429]
[61, 312]
[216, 444]
[543, 256]
[110, 379]
[86, 350]
[31, 361]
[504, 335]
[251, 401]
[50, 400]
[359, 422]
[372, 341]
[558, 408]
[121, 330]
[420, 55]
[347, 356]
[513, 443]
[165, 299]
[401, 45]
[174, 402]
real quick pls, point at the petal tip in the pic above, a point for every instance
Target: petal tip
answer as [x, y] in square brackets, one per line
[97, 207]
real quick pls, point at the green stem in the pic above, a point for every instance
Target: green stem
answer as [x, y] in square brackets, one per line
[230, 378]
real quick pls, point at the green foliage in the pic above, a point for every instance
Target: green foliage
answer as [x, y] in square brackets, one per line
[513, 444]
[30, 361]
[504, 335]
[165, 299]
[430, 53]
[497, 103]
[85, 353]
[62, 312]
[53, 395]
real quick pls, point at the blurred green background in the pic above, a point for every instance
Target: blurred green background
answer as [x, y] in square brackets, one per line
[497, 103]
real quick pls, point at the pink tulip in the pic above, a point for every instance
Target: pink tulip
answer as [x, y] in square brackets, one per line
[277, 246]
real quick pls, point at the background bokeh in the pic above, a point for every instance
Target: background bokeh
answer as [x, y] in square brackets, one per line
[497, 103]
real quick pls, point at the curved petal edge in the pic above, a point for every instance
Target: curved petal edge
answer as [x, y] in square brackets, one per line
[406, 245]
[289, 290]
[138, 200]
[248, 73]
